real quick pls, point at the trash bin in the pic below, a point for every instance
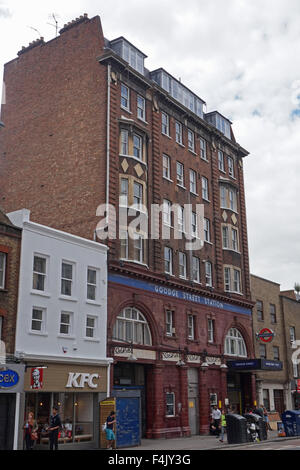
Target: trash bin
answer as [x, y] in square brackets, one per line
[291, 422]
[260, 425]
[236, 428]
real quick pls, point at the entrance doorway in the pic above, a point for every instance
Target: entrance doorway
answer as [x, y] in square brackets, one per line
[279, 401]
[239, 391]
[129, 377]
[7, 420]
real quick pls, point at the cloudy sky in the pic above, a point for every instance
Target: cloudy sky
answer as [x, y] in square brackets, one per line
[243, 58]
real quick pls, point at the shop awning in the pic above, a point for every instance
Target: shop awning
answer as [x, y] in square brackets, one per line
[254, 364]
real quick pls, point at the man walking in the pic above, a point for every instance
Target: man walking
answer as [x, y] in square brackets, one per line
[55, 425]
[110, 435]
[216, 418]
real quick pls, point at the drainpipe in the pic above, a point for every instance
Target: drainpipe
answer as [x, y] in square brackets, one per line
[108, 139]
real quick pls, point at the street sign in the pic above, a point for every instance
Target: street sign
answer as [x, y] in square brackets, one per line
[265, 335]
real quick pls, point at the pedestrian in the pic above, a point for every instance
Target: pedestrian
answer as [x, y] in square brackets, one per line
[109, 430]
[259, 410]
[223, 425]
[216, 418]
[55, 425]
[30, 431]
[266, 419]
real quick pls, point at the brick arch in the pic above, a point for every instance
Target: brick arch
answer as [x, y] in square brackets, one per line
[144, 310]
[245, 334]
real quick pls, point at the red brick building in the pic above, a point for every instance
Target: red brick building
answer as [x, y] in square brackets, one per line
[10, 242]
[87, 123]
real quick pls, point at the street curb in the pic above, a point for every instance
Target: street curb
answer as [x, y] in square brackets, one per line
[231, 446]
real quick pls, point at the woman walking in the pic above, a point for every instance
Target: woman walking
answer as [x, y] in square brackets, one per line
[30, 428]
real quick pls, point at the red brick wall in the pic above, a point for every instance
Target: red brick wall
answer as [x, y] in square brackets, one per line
[53, 145]
[10, 242]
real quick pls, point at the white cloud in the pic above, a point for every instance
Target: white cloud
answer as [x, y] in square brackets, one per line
[242, 58]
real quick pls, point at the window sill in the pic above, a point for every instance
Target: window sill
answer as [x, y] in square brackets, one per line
[126, 109]
[180, 144]
[37, 333]
[133, 157]
[205, 200]
[40, 293]
[166, 135]
[142, 120]
[93, 302]
[194, 194]
[67, 297]
[92, 340]
[181, 186]
[231, 249]
[126, 260]
[204, 159]
[66, 336]
[193, 152]
[168, 179]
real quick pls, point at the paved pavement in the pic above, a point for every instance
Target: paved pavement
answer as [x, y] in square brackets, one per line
[199, 443]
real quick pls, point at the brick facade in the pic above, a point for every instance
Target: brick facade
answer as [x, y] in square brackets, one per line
[10, 242]
[58, 98]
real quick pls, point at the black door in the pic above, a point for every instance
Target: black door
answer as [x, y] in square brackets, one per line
[7, 420]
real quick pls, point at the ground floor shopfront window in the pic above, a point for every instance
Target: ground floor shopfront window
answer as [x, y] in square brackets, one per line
[75, 410]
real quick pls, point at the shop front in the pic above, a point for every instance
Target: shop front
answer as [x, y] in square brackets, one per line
[11, 389]
[77, 391]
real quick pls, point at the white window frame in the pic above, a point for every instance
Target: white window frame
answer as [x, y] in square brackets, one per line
[203, 149]
[208, 274]
[68, 280]
[170, 404]
[124, 142]
[138, 197]
[138, 247]
[167, 217]
[125, 97]
[141, 107]
[137, 149]
[169, 323]
[166, 167]
[178, 132]
[207, 230]
[221, 161]
[39, 274]
[205, 193]
[210, 330]
[3, 260]
[41, 321]
[180, 174]
[235, 344]
[91, 284]
[93, 328]
[124, 192]
[193, 181]
[230, 163]
[124, 244]
[131, 326]
[191, 140]
[194, 225]
[168, 258]
[196, 269]
[165, 124]
[182, 264]
[69, 324]
[191, 327]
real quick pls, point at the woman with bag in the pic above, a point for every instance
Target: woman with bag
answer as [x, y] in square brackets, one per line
[30, 428]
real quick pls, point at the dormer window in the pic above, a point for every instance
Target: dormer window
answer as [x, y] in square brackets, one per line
[130, 53]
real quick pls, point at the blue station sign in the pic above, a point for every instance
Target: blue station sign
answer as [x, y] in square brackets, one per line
[255, 364]
[8, 378]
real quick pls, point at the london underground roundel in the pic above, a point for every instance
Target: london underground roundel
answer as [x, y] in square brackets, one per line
[265, 335]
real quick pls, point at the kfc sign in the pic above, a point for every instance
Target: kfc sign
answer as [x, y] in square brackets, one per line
[79, 380]
[36, 382]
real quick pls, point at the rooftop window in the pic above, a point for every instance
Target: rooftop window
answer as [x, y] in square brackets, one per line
[178, 91]
[128, 52]
[220, 122]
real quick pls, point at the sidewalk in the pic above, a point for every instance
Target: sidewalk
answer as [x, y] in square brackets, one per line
[195, 443]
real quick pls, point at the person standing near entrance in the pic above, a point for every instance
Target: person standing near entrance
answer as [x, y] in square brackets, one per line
[109, 431]
[55, 425]
[223, 425]
[216, 418]
[30, 431]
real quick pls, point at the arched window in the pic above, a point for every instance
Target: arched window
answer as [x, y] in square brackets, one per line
[235, 344]
[131, 326]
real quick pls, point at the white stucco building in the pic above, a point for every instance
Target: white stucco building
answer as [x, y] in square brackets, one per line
[61, 327]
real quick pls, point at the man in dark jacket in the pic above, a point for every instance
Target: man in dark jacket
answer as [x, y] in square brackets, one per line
[55, 425]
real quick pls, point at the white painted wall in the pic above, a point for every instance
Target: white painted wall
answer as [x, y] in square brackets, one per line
[58, 246]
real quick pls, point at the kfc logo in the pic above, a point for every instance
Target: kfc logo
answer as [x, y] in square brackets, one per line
[36, 378]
